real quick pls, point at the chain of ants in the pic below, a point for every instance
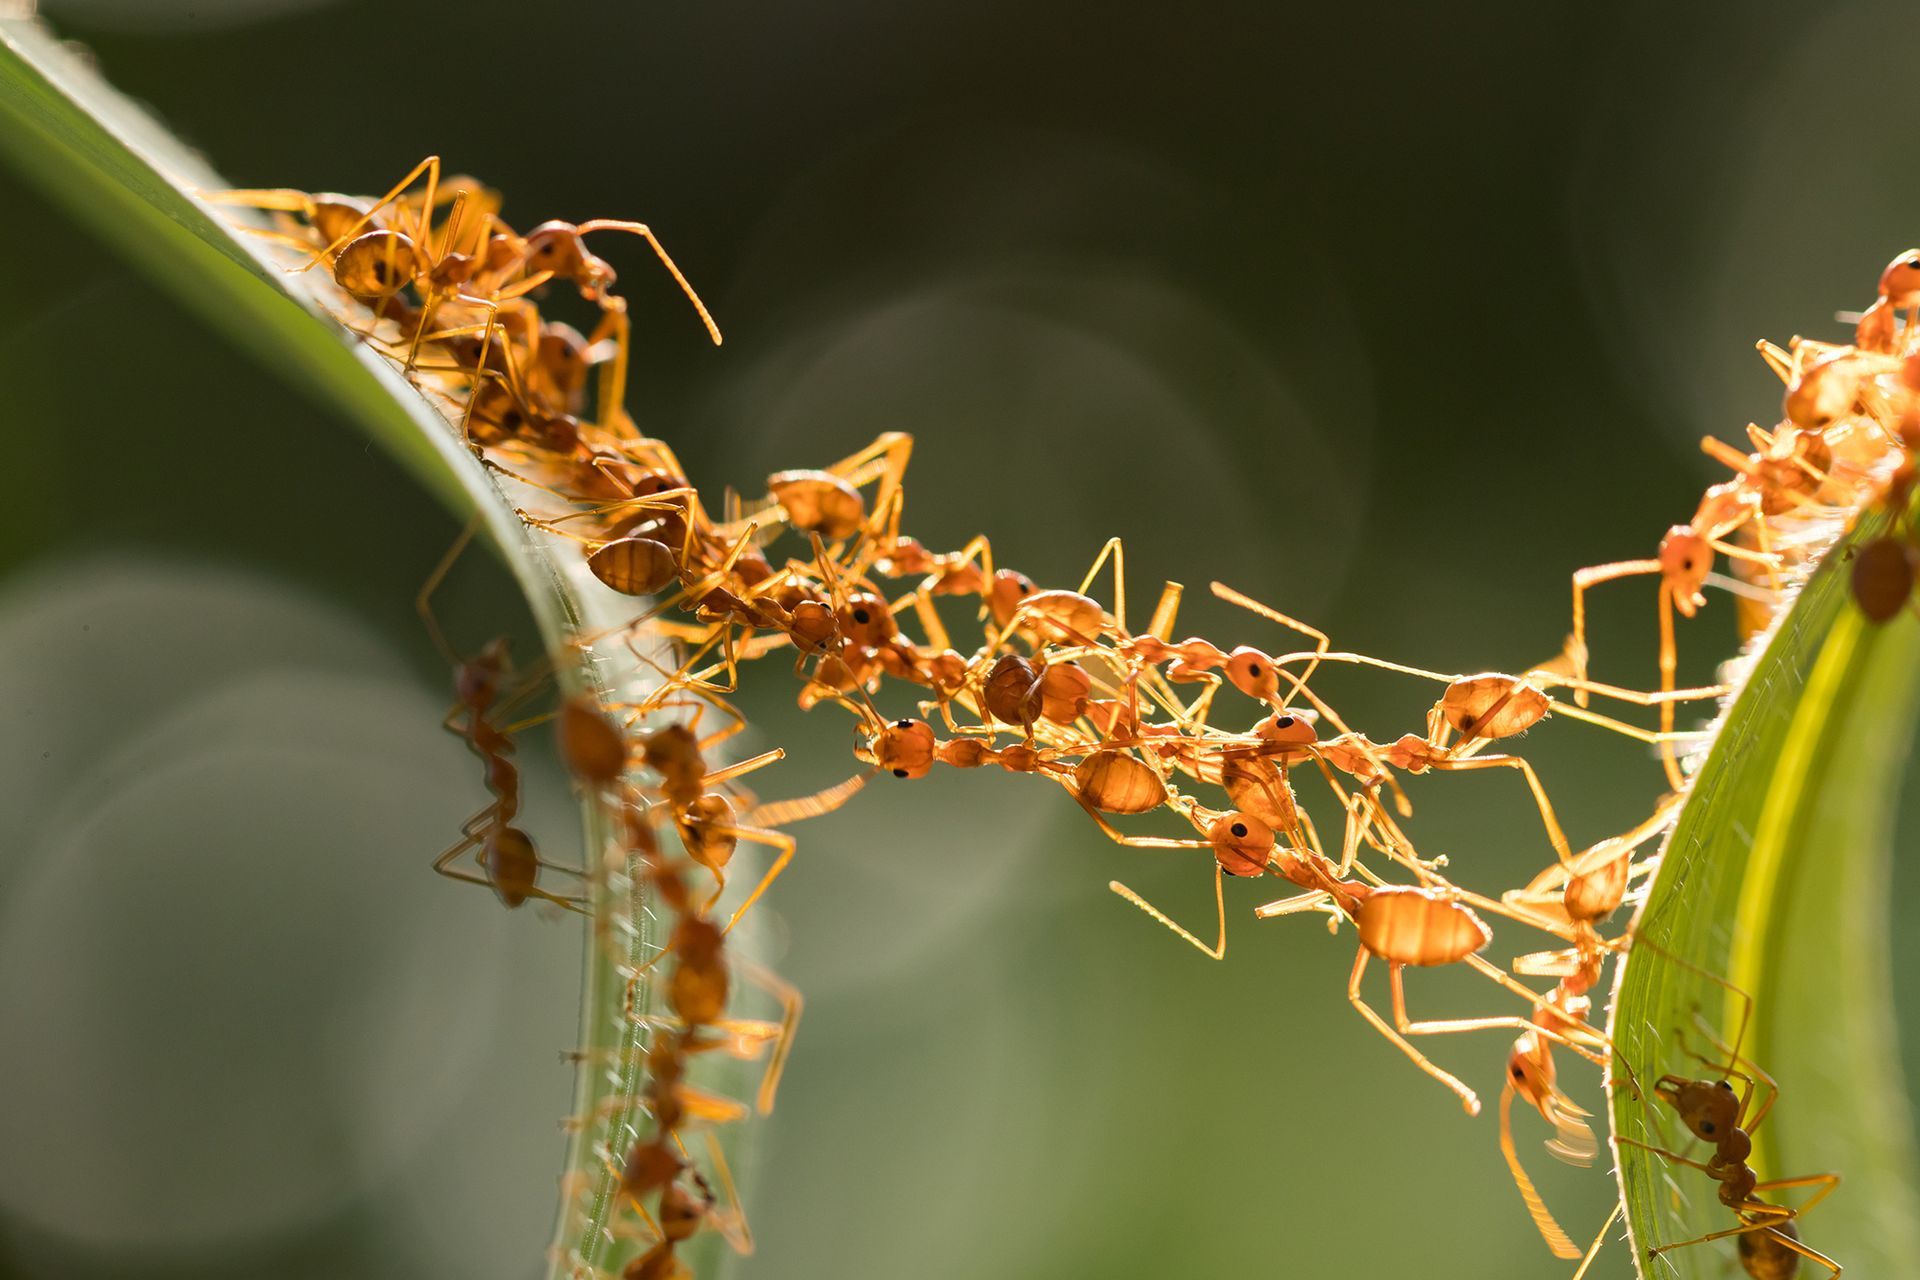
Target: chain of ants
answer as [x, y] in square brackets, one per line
[1060, 687]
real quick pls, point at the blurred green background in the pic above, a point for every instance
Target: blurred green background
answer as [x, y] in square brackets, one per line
[1392, 317]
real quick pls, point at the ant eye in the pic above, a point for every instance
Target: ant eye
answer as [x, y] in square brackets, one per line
[1283, 722]
[862, 617]
[1706, 1126]
[899, 773]
[1240, 829]
[1518, 1074]
[903, 724]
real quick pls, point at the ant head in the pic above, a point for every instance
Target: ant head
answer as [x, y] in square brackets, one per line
[1241, 842]
[1686, 559]
[1900, 282]
[1252, 673]
[1530, 1069]
[1004, 594]
[376, 264]
[1709, 1108]
[477, 681]
[867, 620]
[1290, 726]
[813, 625]
[557, 247]
[904, 748]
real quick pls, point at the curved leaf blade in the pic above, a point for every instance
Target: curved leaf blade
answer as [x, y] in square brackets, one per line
[118, 171]
[1775, 877]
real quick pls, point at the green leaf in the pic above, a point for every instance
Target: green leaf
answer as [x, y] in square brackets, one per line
[1776, 878]
[118, 171]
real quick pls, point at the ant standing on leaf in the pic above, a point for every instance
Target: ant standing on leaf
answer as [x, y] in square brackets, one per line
[1725, 1118]
[506, 853]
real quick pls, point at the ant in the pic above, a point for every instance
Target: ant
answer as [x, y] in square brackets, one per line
[1716, 1113]
[1584, 894]
[507, 854]
[1424, 926]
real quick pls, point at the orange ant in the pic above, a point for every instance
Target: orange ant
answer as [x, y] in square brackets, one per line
[1402, 925]
[1584, 895]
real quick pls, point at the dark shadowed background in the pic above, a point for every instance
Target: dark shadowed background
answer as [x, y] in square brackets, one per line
[1390, 316]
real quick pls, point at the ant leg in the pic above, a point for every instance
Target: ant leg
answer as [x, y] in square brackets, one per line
[779, 813]
[712, 1108]
[1315, 901]
[1662, 1152]
[733, 1224]
[1593, 1251]
[614, 326]
[274, 199]
[1555, 836]
[1827, 1182]
[1805, 1251]
[1636, 697]
[745, 766]
[471, 839]
[1738, 993]
[1117, 550]
[1321, 641]
[299, 243]
[1132, 842]
[1583, 580]
[1669, 665]
[772, 840]
[791, 1004]
[423, 599]
[1543, 1220]
[884, 460]
[642, 230]
[1744, 1229]
[1218, 950]
[1466, 1095]
[1754, 1076]
[1160, 626]
[1396, 985]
